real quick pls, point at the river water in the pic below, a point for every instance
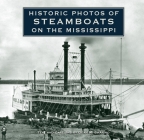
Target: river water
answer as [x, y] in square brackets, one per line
[132, 101]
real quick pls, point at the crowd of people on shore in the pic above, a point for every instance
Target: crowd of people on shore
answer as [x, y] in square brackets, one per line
[51, 125]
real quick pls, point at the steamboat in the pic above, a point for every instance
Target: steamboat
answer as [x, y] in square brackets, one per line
[60, 96]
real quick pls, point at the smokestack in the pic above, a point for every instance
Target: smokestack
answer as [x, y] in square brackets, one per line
[65, 46]
[34, 80]
[82, 48]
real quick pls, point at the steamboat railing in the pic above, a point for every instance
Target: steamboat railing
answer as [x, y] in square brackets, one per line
[74, 102]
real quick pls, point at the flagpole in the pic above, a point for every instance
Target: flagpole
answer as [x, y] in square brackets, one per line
[121, 77]
[110, 80]
[91, 92]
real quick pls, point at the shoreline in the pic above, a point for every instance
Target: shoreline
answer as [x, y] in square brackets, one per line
[87, 81]
[24, 131]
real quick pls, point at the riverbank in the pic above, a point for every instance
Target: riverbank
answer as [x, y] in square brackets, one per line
[25, 132]
[87, 81]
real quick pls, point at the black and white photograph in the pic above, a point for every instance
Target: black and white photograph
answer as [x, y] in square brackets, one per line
[71, 70]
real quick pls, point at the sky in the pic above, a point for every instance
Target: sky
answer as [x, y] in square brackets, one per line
[20, 55]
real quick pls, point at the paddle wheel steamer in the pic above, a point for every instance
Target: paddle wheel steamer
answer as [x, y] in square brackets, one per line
[63, 97]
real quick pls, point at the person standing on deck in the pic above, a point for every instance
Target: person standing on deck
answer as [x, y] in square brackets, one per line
[3, 130]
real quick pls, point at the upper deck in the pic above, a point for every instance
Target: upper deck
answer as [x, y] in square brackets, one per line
[78, 98]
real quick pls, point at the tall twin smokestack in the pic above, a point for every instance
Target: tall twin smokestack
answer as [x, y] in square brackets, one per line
[65, 46]
[82, 48]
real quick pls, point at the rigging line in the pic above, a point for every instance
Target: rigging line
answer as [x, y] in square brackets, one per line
[99, 86]
[61, 56]
[87, 62]
[70, 75]
[95, 72]
[114, 108]
[129, 92]
[88, 69]
[72, 68]
[133, 89]
[102, 85]
[77, 74]
[88, 59]
[125, 99]
[62, 66]
[76, 70]
[59, 62]
[104, 75]
[116, 103]
[129, 88]
[137, 116]
[129, 95]
[88, 75]
[90, 64]
[73, 73]
[100, 89]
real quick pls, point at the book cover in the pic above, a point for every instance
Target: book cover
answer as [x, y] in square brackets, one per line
[70, 69]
